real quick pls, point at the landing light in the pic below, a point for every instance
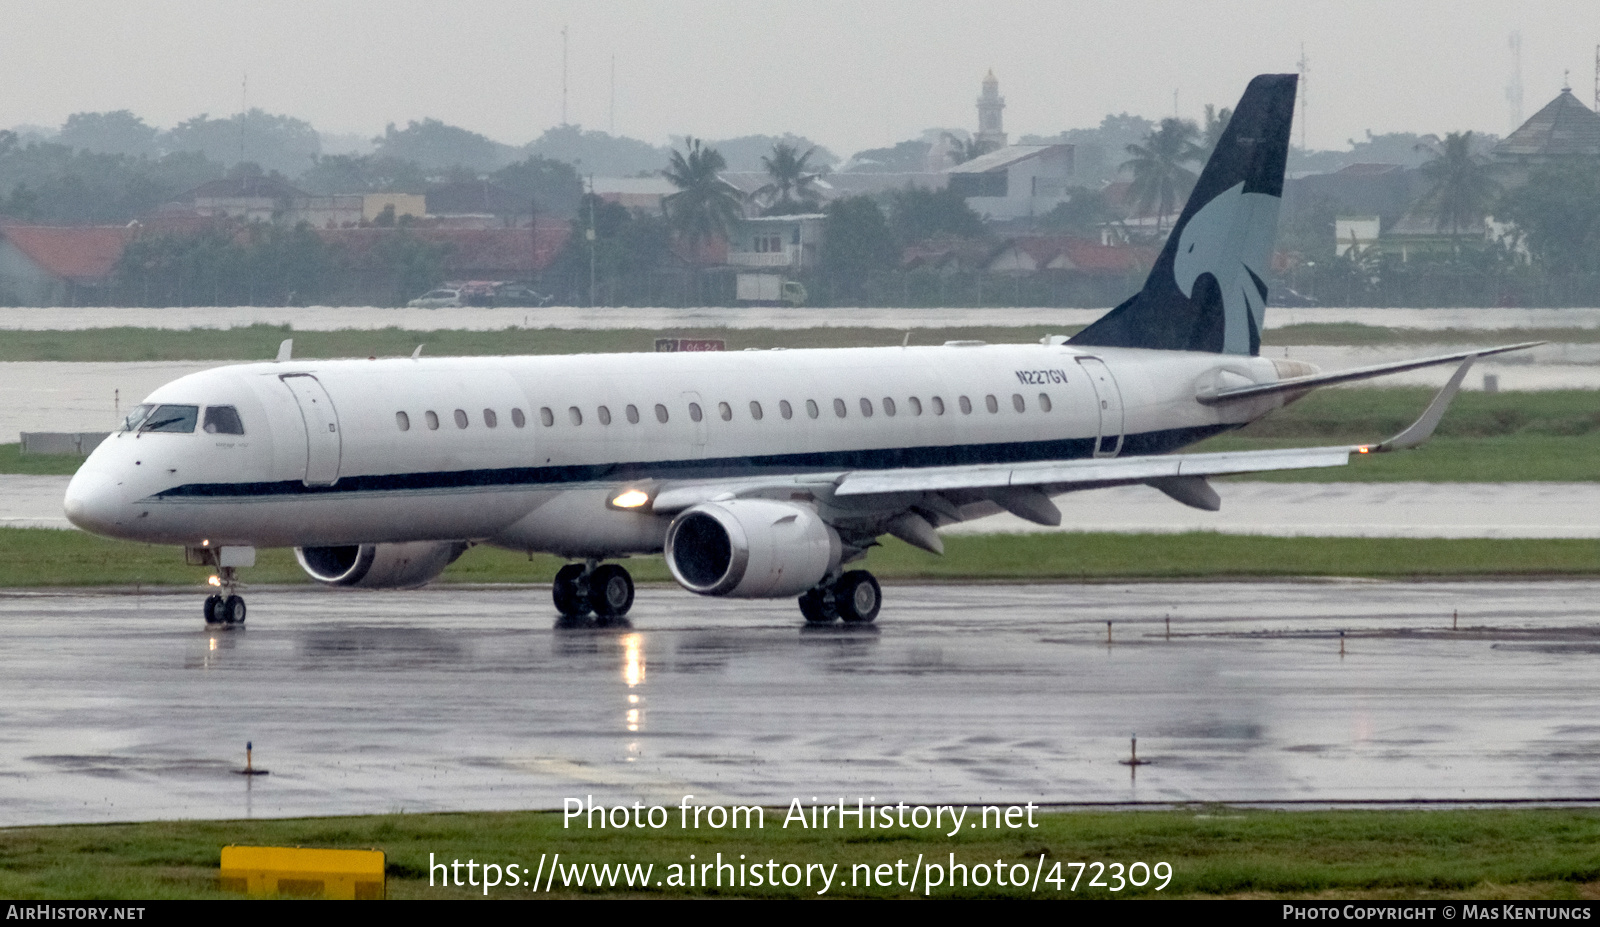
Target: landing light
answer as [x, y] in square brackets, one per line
[215, 581]
[630, 499]
[1364, 449]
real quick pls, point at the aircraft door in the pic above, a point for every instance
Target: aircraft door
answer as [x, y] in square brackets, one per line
[323, 442]
[1109, 443]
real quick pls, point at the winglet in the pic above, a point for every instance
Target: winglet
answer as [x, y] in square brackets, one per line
[417, 353]
[1422, 429]
[285, 349]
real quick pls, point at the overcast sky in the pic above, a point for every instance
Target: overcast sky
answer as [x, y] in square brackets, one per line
[849, 75]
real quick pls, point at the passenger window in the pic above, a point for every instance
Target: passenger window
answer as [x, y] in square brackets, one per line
[171, 420]
[811, 408]
[726, 411]
[223, 420]
[517, 418]
[755, 410]
[575, 415]
[888, 406]
[966, 406]
[1017, 403]
[661, 413]
[633, 414]
[784, 409]
[938, 405]
[461, 419]
[490, 420]
[403, 421]
[866, 407]
[546, 416]
[695, 414]
[992, 403]
[605, 415]
[839, 408]
[433, 420]
[1044, 402]
[916, 405]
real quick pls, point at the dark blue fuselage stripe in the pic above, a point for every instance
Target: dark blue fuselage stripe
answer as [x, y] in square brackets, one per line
[1154, 442]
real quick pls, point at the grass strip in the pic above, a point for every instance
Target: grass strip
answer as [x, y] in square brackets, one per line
[1355, 334]
[37, 557]
[12, 460]
[261, 341]
[1214, 852]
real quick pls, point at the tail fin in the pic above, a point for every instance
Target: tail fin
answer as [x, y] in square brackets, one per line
[1206, 291]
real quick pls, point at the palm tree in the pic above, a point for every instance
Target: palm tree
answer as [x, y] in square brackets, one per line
[1216, 122]
[705, 206]
[964, 150]
[1460, 186]
[791, 188]
[1160, 179]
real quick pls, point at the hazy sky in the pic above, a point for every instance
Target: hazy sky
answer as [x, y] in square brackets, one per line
[849, 75]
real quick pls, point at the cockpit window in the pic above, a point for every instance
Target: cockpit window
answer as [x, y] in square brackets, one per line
[223, 420]
[171, 419]
[137, 417]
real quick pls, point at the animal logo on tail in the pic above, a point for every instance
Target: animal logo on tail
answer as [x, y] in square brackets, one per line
[1230, 238]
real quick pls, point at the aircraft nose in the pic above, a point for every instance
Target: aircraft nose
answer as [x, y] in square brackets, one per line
[92, 503]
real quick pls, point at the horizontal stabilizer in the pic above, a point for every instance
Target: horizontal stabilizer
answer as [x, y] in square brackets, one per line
[1298, 384]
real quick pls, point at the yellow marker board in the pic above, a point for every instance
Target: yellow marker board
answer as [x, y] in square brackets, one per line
[303, 873]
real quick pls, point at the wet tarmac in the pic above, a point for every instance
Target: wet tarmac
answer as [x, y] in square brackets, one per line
[122, 707]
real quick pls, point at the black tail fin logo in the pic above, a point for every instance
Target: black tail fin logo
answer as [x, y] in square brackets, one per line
[1207, 291]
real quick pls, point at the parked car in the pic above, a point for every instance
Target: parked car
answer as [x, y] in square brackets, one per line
[519, 294]
[442, 298]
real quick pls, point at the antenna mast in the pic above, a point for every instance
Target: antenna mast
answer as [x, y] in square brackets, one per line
[1514, 89]
[564, 75]
[244, 106]
[1305, 94]
[613, 128]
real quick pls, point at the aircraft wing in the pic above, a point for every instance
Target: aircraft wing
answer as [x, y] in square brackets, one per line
[1024, 488]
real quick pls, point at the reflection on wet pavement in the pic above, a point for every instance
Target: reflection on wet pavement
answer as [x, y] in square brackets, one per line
[121, 707]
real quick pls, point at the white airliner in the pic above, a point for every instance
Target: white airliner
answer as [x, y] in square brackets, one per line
[760, 474]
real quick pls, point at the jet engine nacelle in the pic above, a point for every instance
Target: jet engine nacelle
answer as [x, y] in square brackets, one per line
[751, 549]
[379, 566]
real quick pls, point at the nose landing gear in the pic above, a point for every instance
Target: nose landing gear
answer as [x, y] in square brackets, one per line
[227, 608]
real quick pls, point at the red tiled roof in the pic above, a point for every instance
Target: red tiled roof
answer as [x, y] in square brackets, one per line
[472, 252]
[1367, 169]
[1083, 255]
[79, 253]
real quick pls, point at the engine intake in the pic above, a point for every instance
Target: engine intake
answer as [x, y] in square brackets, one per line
[379, 566]
[751, 549]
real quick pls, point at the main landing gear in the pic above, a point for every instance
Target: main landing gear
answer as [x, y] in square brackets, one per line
[227, 608]
[854, 597]
[603, 589]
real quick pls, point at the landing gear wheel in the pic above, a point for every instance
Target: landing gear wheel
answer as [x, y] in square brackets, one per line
[817, 606]
[568, 593]
[232, 610]
[858, 597]
[610, 591]
[213, 609]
